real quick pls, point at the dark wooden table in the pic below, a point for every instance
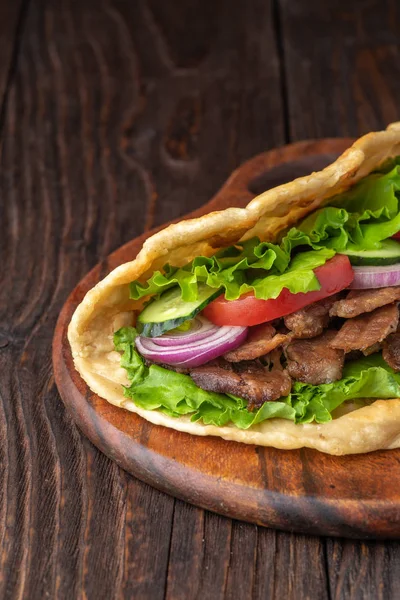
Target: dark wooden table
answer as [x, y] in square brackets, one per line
[115, 117]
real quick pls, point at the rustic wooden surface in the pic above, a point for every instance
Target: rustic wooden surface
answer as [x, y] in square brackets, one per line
[118, 116]
[301, 491]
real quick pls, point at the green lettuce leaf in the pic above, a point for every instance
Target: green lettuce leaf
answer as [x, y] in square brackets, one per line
[265, 277]
[157, 388]
[358, 219]
[233, 268]
[299, 277]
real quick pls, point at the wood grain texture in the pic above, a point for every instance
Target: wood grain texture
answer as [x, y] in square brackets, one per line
[12, 17]
[102, 140]
[341, 60]
[342, 64]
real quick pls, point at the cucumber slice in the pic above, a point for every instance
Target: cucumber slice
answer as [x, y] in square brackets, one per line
[169, 311]
[388, 254]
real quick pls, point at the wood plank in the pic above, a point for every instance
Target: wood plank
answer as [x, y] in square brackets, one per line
[342, 66]
[242, 565]
[342, 62]
[105, 523]
[10, 14]
[185, 565]
[64, 502]
[211, 100]
[216, 556]
[148, 530]
[364, 570]
[102, 120]
[280, 570]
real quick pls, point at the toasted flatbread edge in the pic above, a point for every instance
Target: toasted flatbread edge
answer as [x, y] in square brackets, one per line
[107, 306]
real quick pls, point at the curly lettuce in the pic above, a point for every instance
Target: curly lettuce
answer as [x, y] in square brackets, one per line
[264, 281]
[359, 219]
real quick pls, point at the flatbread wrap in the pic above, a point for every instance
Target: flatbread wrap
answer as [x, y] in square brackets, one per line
[274, 324]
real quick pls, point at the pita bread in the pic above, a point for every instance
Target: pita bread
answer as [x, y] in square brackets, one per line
[107, 307]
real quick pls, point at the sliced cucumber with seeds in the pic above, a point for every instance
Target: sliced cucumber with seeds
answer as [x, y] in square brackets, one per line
[169, 310]
[387, 254]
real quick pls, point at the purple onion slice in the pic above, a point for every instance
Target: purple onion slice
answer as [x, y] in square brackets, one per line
[375, 277]
[200, 327]
[193, 353]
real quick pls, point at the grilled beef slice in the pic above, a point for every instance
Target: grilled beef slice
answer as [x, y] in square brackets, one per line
[362, 332]
[310, 321]
[261, 340]
[314, 361]
[391, 351]
[255, 383]
[363, 301]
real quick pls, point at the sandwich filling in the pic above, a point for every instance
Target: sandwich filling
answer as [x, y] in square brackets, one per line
[303, 329]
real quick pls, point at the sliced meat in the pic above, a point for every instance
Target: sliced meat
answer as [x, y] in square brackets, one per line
[310, 321]
[257, 384]
[364, 301]
[216, 379]
[366, 330]
[391, 351]
[260, 341]
[264, 386]
[314, 361]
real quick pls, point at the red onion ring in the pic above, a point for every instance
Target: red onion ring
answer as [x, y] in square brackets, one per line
[200, 328]
[194, 353]
[375, 277]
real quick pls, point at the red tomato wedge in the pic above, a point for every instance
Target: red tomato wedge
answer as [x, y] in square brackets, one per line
[396, 236]
[335, 275]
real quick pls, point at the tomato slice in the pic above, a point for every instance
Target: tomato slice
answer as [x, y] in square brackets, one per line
[396, 236]
[335, 275]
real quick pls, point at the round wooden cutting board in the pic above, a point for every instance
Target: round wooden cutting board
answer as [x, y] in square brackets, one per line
[298, 490]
